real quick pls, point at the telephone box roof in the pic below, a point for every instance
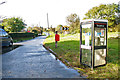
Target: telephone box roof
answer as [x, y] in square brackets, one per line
[89, 20]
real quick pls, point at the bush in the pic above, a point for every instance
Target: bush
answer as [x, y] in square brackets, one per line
[19, 35]
[35, 34]
[114, 29]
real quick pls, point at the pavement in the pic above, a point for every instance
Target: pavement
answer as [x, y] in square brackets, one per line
[32, 60]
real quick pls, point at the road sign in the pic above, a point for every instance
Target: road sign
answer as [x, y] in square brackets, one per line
[65, 28]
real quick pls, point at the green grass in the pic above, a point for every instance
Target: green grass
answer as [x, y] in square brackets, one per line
[68, 49]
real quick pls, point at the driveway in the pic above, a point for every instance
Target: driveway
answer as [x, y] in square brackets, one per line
[32, 60]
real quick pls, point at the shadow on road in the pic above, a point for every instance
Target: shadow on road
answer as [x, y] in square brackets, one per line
[6, 49]
[15, 45]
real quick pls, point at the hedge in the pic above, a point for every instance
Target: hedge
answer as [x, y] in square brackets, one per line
[19, 35]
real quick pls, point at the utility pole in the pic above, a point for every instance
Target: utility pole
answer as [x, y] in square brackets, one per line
[39, 24]
[47, 21]
[48, 24]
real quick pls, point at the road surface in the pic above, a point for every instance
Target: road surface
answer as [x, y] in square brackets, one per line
[32, 60]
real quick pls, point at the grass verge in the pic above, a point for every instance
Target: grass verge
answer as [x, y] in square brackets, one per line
[68, 49]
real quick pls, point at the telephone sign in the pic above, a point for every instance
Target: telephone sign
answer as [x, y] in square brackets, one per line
[100, 24]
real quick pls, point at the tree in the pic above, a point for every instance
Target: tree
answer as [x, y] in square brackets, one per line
[115, 29]
[58, 28]
[13, 24]
[73, 21]
[35, 29]
[38, 29]
[52, 29]
[44, 29]
[104, 11]
[29, 29]
[41, 30]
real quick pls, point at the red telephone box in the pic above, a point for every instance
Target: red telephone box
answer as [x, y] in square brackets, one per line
[93, 42]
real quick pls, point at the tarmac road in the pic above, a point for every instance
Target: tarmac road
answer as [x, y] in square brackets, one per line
[32, 60]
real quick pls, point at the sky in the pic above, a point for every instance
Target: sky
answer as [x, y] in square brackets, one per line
[34, 12]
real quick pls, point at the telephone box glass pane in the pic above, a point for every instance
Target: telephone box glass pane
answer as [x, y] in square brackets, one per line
[86, 43]
[86, 34]
[100, 36]
[100, 55]
[86, 56]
